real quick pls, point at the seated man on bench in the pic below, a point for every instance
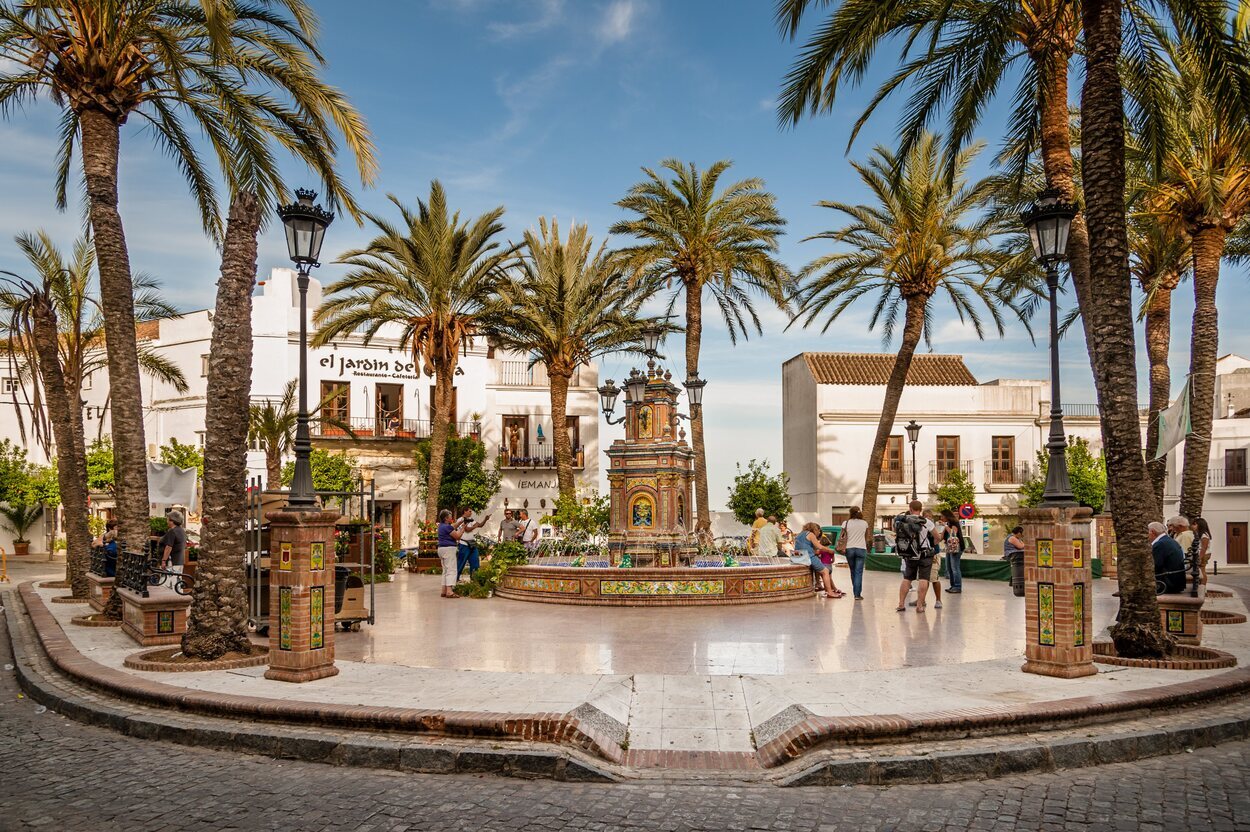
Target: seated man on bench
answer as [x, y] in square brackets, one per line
[1169, 560]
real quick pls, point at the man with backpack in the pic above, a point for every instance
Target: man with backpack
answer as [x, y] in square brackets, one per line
[913, 540]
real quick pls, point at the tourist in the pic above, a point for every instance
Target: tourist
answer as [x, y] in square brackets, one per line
[448, 544]
[1178, 528]
[753, 541]
[955, 547]
[1013, 546]
[109, 542]
[937, 540]
[1203, 531]
[529, 530]
[769, 545]
[913, 539]
[173, 545]
[853, 543]
[466, 549]
[509, 528]
[787, 540]
[1169, 560]
[808, 545]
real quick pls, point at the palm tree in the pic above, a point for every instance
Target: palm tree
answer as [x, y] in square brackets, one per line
[61, 296]
[567, 304]
[926, 237]
[432, 274]
[272, 422]
[723, 240]
[1203, 194]
[158, 63]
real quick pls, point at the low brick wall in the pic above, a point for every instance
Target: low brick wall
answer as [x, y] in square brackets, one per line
[657, 587]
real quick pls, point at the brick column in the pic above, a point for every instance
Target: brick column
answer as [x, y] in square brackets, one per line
[301, 595]
[1058, 592]
[1104, 531]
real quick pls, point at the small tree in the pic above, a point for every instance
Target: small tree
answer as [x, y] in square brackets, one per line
[466, 480]
[955, 490]
[330, 472]
[756, 488]
[1087, 472]
[14, 472]
[183, 456]
[589, 513]
[100, 466]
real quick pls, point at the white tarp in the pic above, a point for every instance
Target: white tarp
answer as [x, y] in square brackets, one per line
[170, 485]
[1174, 423]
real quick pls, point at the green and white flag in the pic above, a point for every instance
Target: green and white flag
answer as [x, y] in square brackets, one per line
[1174, 423]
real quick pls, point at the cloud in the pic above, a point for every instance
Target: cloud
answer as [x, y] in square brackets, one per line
[618, 21]
[550, 13]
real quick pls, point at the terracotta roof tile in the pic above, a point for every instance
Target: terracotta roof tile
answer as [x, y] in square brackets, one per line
[148, 330]
[874, 368]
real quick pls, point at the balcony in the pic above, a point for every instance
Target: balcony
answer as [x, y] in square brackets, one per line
[1087, 411]
[521, 374]
[384, 429]
[940, 470]
[542, 460]
[1223, 477]
[1008, 476]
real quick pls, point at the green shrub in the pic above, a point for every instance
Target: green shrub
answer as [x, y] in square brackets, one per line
[503, 556]
[158, 526]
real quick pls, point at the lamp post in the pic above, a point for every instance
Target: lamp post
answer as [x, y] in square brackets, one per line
[1048, 223]
[913, 434]
[305, 225]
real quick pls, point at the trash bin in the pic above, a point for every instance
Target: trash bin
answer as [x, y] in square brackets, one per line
[1017, 574]
[878, 543]
[341, 574]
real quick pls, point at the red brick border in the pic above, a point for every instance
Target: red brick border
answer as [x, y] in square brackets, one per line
[1221, 617]
[70, 599]
[95, 619]
[554, 728]
[140, 661]
[1185, 657]
[55, 585]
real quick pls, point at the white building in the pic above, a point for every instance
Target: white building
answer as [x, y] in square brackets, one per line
[377, 389]
[1226, 506]
[991, 431]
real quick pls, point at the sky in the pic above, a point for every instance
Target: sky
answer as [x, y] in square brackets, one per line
[550, 108]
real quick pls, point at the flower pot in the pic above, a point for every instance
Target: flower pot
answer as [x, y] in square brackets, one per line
[21, 547]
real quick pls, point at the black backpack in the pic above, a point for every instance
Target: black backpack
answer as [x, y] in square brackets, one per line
[912, 540]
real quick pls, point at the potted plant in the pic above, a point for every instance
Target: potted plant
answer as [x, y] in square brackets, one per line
[20, 517]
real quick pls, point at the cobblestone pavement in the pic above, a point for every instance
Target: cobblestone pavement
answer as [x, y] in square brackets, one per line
[59, 775]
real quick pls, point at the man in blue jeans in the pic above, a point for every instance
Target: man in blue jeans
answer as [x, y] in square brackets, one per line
[954, 546]
[466, 549]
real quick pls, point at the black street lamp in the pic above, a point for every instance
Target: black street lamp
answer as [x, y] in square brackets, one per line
[305, 225]
[1048, 223]
[913, 434]
[607, 401]
[694, 391]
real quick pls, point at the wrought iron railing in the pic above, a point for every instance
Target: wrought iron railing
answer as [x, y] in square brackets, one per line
[99, 561]
[1007, 473]
[521, 374]
[541, 460]
[893, 474]
[137, 571]
[384, 428]
[940, 470]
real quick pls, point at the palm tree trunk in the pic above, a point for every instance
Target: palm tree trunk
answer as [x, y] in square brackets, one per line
[438, 440]
[73, 417]
[694, 337]
[217, 623]
[913, 328]
[69, 462]
[1158, 343]
[1208, 248]
[100, 144]
[273, 468]
[560, 441]
[1109, 329]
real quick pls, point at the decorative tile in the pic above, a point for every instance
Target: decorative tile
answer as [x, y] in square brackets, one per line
[661, 587]
[1078, 615]
[569, 586]
[317, 556]
[1045, 552]
[316, 616]
[1078, 552]
[284, 559]
[1046, 614]
[284, 618]
[758, 585]
[164, 621]
[1176, 621]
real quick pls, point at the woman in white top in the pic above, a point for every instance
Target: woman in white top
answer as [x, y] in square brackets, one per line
[854, 544]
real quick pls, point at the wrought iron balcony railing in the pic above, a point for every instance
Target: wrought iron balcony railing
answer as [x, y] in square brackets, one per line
[940, 470]
[383, 428]
[1010, 473]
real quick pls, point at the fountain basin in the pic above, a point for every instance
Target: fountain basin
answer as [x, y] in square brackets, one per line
[680, 586]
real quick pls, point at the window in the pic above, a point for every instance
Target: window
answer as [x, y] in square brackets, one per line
[86, 381]
[947, 457]
[255, 443]
[1235, 467]
[336, 400]
[575, 433]
[892, 460]
[204, 366]
[199, 438]
[516, 438]
[8, 385]
[1003, 459]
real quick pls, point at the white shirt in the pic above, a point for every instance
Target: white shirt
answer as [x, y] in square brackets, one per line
[529, 531]
[469, 531]
[856, 532]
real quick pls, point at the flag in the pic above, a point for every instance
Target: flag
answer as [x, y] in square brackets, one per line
[1174, 424]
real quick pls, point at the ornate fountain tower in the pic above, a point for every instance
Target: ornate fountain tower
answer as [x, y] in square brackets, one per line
[649, 477]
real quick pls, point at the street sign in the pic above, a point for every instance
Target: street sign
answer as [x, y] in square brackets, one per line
[967, 511]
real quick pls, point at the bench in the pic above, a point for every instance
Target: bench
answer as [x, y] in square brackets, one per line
[152, 613]
[99, 578]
